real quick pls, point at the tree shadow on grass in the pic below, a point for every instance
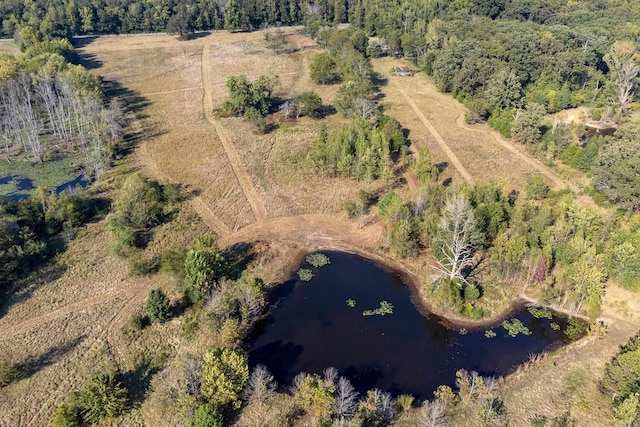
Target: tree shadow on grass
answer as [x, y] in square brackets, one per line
[21, 289]
[138, 381]
[33, 364]
[239, 257]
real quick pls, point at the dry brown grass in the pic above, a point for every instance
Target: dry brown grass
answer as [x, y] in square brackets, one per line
[71, 326]
[8, 46]
[477, 147]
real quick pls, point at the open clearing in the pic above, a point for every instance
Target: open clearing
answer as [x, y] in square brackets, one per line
[245, 187]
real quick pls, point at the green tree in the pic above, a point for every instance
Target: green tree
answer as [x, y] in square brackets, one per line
[158, 306]
[526, 126]
[208, 416]
[323, 69]
[231, 15]
[203, 266]
[617, 167]
[316, 396]
[102, 397]
[225, 373]
[308, 103]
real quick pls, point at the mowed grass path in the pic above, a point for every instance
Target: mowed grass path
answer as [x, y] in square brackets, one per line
[473, 153]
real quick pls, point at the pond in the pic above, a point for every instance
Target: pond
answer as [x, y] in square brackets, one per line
[20, 187]
[320, 323]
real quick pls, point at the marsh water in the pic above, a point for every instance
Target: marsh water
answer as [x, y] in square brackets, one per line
[312, 326]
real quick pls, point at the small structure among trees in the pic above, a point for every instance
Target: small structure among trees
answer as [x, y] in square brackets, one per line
[403, 71]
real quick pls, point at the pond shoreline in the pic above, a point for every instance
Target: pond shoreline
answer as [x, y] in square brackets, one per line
[413, 282]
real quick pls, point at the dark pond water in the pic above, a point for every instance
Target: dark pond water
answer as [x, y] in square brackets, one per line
[70, 186]
[311, 327]
[24, 185]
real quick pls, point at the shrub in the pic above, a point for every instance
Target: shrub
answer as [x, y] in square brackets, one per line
[536, 187]
[471, 292]
[207, 416]
[102, 397]
[172, 261]
[8, 372]
[576, 328]
[158, 306]
[66, 416]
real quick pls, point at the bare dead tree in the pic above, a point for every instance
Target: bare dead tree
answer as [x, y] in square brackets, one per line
[297, 382]
[432, 414]
[261, 385]
[330, 375]
[192, 372]
[286, 109]
[346, 399]
[458, 229]
[365, 107]
[624, 62]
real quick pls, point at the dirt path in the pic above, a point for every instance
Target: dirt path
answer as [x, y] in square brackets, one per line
[311, 230]
[557, 180]
[255, 201]
[432, 130]
[196, 202]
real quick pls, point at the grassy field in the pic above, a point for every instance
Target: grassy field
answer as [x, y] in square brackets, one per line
[244, 187]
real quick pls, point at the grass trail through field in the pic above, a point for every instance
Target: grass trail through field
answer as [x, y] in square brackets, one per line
[257, 205]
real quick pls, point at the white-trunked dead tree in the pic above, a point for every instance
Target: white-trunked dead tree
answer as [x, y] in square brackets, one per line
[456, 248]
[47, 110]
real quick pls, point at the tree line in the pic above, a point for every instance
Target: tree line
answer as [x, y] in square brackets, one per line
[538, 238]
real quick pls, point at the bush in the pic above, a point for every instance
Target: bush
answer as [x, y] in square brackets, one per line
[351, 209]
[323, 69]
[135, 323]
[172, 261]
[190, 324]
[102, 397]
[207, 416]
[139, 265]
[8, 372]
[471, 293]
[308, 103]
[576, 328]
[536, 187]
[403, 402]
[66, 416]
[158, 306]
